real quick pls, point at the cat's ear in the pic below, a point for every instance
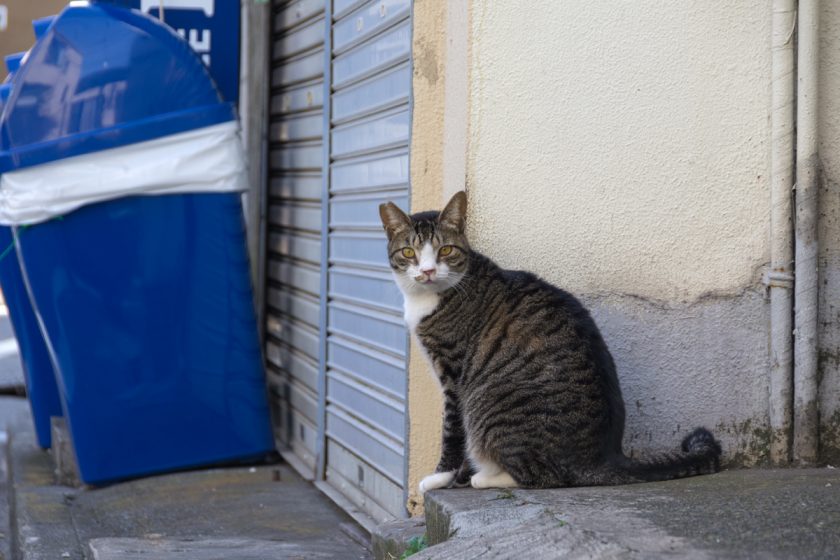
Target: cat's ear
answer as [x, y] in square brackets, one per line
[455, 213]
[393, 219]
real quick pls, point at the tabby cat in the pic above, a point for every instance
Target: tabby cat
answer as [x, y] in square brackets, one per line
[531, 397]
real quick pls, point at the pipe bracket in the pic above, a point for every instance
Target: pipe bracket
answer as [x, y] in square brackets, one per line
[778, 279]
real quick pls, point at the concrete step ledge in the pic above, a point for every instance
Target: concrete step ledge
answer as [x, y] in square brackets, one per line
[390, 540]
[539, 536]
[499, 524]
[780, 513]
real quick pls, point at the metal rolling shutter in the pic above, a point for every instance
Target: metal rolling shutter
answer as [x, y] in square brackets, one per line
[367, 344]
[336, 344]
[293, 267]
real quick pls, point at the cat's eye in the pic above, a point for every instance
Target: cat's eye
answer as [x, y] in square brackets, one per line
[408, 252]
[445, 251]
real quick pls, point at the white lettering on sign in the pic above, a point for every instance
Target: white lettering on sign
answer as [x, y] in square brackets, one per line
[199, 40]
[4, 17]
[207, 6]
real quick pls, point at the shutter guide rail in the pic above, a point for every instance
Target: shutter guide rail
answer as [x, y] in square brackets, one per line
[325, 253]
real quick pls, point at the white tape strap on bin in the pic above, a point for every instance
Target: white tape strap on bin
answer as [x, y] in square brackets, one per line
[205, 160]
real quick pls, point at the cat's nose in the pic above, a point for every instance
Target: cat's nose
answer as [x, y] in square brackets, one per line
[428, 271]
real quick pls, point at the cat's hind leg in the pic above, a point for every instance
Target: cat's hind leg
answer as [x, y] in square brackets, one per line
[464, 474]
[491, 475]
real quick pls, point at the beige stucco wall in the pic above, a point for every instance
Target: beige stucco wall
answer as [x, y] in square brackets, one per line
[631, 137]
[620, 149]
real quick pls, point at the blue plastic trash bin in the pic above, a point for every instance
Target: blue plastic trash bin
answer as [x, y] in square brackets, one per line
[136, 262]
[38, 373]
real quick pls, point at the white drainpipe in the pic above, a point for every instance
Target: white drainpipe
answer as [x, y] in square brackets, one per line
[780, 277]
[805, 405]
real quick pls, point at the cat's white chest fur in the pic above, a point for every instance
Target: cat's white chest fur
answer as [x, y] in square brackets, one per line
[418, 306]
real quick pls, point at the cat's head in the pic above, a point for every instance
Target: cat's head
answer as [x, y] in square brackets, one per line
[428, 251]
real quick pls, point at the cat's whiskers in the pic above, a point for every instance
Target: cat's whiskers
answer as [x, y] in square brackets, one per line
[461, 290]
[407, 284]
[462, 285]
[458, 277]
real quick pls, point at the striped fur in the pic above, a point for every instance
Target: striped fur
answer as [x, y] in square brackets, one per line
[531, 396]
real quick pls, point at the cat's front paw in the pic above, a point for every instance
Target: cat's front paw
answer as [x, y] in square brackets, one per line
[436, 480]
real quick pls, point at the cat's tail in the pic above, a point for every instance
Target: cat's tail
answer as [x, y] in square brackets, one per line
[700, 454]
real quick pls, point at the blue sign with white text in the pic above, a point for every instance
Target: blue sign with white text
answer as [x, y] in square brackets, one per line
[212, 29]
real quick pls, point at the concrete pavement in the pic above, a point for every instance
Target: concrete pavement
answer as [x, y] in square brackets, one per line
[241, 513]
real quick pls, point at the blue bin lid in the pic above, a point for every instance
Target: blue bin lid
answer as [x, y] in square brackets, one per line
[41, 25]
[13, 61]
[100, 77]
